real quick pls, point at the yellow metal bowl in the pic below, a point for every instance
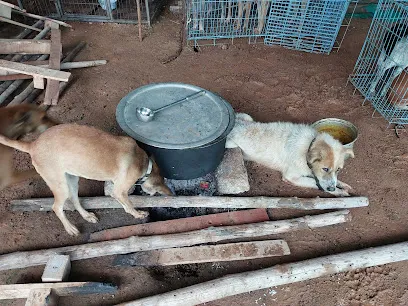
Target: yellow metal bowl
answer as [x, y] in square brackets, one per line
[340, 129]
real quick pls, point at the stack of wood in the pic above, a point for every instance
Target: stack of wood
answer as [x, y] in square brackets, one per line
[37, 58]
[202, 239]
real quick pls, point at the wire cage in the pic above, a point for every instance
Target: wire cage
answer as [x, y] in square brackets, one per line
[306, 25]
[120, 11]
[220, 19]
[381, 70]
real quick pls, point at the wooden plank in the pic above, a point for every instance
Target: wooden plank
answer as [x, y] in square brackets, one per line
[3, 19]
[182, 225]
[22, 291]
[45, 204]
[6, 75]
[35, 71]
[24, 46]
[205, 253]
[277, 276]
[136, 244]
[5, 11]
[57, 269]
[52, 91]
[11, 5]
[42, 297]
[38, 82]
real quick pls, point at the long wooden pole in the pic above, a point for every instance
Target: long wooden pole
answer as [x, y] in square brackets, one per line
[45, 204]
[139, 19]
[276, 276]
[134, 244]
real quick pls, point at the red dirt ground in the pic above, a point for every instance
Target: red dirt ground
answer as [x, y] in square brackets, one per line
[270, 83]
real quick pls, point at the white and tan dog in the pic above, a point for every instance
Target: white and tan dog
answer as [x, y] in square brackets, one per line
[305, 157]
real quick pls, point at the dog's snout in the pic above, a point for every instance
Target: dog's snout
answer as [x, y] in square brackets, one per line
[331, 188]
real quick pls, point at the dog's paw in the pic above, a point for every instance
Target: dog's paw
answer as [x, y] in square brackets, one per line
[72, 230]
[139, 214]
[344, 186]
[90, 217]
[340, 193]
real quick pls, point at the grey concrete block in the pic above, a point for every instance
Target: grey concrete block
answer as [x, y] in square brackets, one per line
[231, 174]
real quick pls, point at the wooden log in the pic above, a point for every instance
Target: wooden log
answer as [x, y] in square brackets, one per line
[22, 291]
[276, 276]
[205, 253]
[35, 71]
[7, 75]
[57, 269]
[136, 244]
[52, 91]
[42, 297]
[44, 204]
[25, 46]
[182, 225]
[19, 24]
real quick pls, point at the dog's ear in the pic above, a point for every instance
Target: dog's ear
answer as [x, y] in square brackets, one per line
[349, 152]
[314, 155]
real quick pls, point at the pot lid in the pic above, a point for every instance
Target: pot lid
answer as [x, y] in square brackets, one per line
[192, 123]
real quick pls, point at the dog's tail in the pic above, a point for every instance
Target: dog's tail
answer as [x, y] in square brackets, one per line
[19, 145]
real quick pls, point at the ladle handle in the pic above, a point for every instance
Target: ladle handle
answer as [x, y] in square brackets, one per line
[192, 96]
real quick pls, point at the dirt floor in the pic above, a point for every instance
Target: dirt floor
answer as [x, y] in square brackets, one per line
[270, 83]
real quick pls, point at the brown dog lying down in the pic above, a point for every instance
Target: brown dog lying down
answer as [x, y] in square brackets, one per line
[15, 122]
[66, 152]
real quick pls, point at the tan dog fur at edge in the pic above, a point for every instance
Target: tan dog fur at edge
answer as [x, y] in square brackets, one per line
[288, 148]
[16, 122]
[66, 152]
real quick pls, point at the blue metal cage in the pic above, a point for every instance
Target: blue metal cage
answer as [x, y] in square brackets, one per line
[306, 25]
[381, 70]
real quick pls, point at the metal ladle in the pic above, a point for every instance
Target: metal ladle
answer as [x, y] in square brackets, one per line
[146, 114]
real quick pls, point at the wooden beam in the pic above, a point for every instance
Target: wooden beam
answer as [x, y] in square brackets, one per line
[135, 244]
[52, 91]
[276, 276]
[57, 269]
[35, 71]
[64, 66]
[42, 297]
[182, 225]
[3, 19]
[22, 291]
[45, 204]
[205, 253]
[25, 46]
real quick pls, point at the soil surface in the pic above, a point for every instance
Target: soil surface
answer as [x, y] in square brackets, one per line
[270, 83]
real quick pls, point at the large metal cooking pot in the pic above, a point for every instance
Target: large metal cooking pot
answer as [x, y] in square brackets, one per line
[187, 140]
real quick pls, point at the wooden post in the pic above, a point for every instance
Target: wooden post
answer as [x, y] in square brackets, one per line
[45, 204]
[139, 19]
[135, 244]
[276, 276]
[52, 91]
[42, 297]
